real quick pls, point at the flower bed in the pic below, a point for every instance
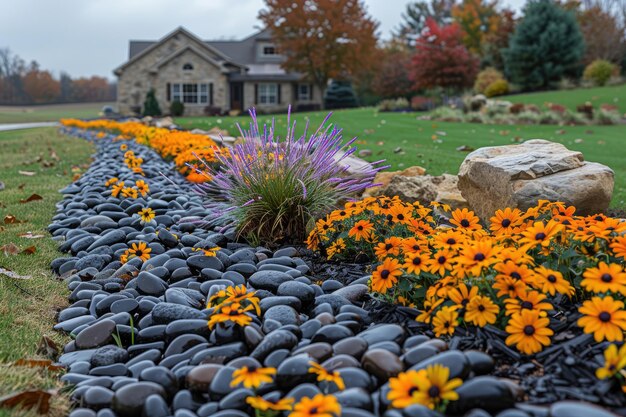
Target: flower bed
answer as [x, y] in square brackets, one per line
[173, 313]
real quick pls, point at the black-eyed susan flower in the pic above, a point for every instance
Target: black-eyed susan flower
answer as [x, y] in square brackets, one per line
[614, 361]
[142, 187]
[262, 404]
[426, 313]
[251, 377]
[361, 230]
[541, 233]
[618, 246]
[479, 255]
[531, 300]
[415, 263]
[604, 278]
[605, 318]
[319, 406]
[231, 312]
[462, 294]
[324, 375]
[117, 188]
[481, 311]
[412, 245]
[146, 215]
[441, 261]
[508, 286]
[528, 332]
[436, 387]
[403, 388]
[449, 239]
[552, 282]
[515, 271]
[465, 219]
[390, 247]
[111, 181]
[335, 248]
[386, 275]
[139, 250]
[123, 147]
[445, 321]
[400, 214]
[129, 192]
[506, 222]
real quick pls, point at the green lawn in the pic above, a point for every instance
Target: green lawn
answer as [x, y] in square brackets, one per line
[49, 113]
[615, 95]
[28, 306]
[432, 145]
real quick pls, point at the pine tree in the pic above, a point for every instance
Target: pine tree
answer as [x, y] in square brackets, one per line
[151, 105]
[547, 45]
[417, 12]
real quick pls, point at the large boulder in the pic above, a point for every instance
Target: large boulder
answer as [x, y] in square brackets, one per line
[519, 176]
[383, 178]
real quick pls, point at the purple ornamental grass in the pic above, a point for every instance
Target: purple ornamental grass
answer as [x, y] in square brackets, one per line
[278, 186]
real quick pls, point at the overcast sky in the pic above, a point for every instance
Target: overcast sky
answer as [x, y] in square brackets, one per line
[90, 37]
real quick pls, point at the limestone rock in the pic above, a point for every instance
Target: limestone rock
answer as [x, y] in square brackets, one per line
[519, 176]
[384, 178]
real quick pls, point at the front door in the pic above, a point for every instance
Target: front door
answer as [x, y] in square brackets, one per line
[236, 96]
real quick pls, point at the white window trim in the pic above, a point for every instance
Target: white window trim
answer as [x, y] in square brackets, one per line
[308, 96]
[199, 94]
[268, 93]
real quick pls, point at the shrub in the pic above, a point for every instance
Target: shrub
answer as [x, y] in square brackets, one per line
[277, 186]
[422, 103]
[516, 108]
[574, 118]
[600, 71]
[550, 118]
[447, 114]
[497, 88]
[476, 117]
[606, 117]
[151, 105]
[485, 78]
[586, 109]
[177, 108]
[545, 257]
[528, 118]
[398, 104]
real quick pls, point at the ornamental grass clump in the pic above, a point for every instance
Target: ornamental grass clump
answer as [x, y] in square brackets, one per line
[277, 185]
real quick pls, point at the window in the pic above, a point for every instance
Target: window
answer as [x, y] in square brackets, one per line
[187, 67]
[269, 50]
[192, 93]
[268, 93]
[304, 92]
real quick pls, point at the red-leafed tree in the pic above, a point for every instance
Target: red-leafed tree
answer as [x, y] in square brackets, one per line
[39, 85]
[392, 79]
[441, 59]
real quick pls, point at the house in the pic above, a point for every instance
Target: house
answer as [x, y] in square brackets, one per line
[212, 77]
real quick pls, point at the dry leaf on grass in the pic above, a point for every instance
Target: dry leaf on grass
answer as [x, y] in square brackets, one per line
[11, 274]
[9, 249]
[37, 399]
[54, 155]
[27, 173]
[21, 186]
[11, 219]
[47, 347]
[28, 235]
[38, 363]
[29, 250]
[33, 197]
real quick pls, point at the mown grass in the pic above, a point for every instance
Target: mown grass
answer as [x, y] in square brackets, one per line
[615, 95]
[404, 141]
[28, 307]
[49, 113]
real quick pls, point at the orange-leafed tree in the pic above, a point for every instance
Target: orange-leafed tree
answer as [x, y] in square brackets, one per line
[441, 59]
[322, 39]
[391, 78]
[40, 86]
[477, 18]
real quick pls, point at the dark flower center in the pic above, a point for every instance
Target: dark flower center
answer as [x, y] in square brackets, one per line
[464, 302]
[506, 223]
[388, 246]
[479, 257]
[529, 330]
[516, 275]
[451, 241]
[465, 223]
[433, 392]
[566, 222]
[540, 236]
[552, 278]
[412, 391]
[481, 308]
[441, 259]
[384, 273]
[446, 324]
[360, 228]
[417, 260]
[400, 216]
[606, 278]
[598, 218]
[313, 411]
[342, 213]
[604, 317]
[527, 305]
[416, 247]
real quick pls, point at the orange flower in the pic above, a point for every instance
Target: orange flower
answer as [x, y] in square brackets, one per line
[506, 222]
[605, 278]
[465, 219]
[528, 332]
[605, 318]
[540, 233]
[390, 247]
[386, 275]
[361, 230]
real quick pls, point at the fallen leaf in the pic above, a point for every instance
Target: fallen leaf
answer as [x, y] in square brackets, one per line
[47, 347]
[12, 274]
[37, 399]
[2, 229]
[54, 155]
[28, 235]
[10, 249]
[29, 250]
[11, 219]
[38, 363]
[21, 186]
[27, 173]
[33, 197]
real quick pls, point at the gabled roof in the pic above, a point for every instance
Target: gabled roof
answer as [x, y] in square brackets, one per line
[192, 48]
[139, 49]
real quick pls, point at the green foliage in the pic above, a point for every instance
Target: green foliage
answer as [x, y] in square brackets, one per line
[600, 71]
[340, 95]
[497, 88]
[486, 77]
[397, 104]
[177, 108]
[547, 45]
[606, 117]
[151, 105]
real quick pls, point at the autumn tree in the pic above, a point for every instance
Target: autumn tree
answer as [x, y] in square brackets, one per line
[603, 28]
[392, 77]
[477, 19]
[417, 12]
[441, 59]
[322, 39]
[496, 41]
[547, 45]
[39, 85]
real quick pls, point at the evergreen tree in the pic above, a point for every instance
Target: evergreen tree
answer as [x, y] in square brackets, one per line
[151, 105]
[417, 12]
[547, 45]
